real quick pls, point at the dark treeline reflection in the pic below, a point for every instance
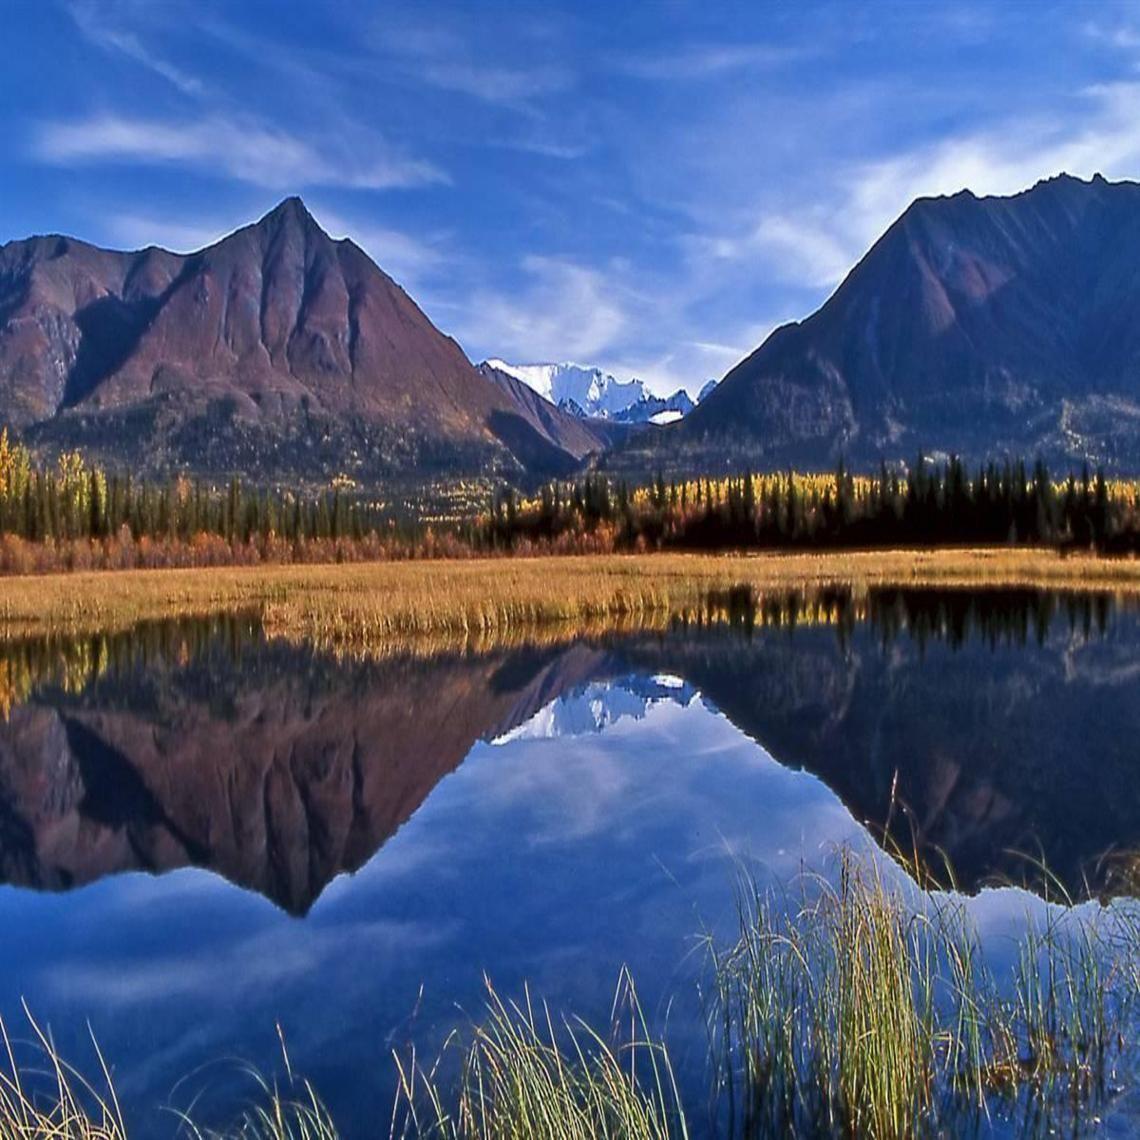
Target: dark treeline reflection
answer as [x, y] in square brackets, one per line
[1009, 616]
[73, 663]
[971, 724]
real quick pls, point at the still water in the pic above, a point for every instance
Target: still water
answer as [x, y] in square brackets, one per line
[206, 835]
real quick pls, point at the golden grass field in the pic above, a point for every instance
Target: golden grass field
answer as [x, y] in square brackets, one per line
[363, 603]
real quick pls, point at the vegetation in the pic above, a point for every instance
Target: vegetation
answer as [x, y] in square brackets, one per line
[75, 516]
[921, 506]
[850, 1012]
[370, 606]
[522, 1077]
[854, 1014]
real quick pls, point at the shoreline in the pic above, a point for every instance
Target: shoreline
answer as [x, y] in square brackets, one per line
[346, 603]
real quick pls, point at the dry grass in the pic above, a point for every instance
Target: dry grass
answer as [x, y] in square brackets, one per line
[353, 604]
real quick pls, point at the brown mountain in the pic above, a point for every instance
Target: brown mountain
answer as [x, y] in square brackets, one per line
[982, 326]
[275, 353]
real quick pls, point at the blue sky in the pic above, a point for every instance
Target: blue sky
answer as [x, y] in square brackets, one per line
[647, 187]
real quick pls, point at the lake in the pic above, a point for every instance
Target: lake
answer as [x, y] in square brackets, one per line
[206, 834]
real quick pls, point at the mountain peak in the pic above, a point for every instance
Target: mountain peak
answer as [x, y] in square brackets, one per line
[291, 211]
[275, 354]
[982, 326]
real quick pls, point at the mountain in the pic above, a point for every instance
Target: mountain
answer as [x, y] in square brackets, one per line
[707, 389]
[982, 326]
[277, 353]
[591, 393]
[573, 433]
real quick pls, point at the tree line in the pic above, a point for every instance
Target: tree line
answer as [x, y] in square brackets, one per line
[69, 514]
[74, 500]
[922, 505]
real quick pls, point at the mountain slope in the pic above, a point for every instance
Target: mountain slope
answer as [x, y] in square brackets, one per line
[276, 352]
[974, 325]
[571, 433]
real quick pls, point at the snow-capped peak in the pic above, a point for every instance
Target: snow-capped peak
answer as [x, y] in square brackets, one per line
[595, 392]
[589, 392]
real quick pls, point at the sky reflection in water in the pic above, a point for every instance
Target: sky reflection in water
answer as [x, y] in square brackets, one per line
[588, 815]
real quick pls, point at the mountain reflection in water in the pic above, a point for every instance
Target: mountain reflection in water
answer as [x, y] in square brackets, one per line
[596, 791]
[982, 726]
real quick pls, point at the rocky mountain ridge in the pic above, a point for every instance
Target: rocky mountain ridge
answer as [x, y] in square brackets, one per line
[277, 353]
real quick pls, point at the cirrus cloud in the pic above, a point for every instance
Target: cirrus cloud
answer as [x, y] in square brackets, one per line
[241, 149]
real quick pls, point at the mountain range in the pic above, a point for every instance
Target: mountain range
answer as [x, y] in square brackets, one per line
[978, 326]
[590, 393]
[277, 353]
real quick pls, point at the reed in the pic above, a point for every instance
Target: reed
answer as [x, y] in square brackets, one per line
[524, 1076]
[42, 1097]
[352, 604]
[857, 1015]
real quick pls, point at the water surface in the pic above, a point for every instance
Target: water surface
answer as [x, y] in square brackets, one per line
[205, 834]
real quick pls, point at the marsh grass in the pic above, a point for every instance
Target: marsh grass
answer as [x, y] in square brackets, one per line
[364, 604]
[523, 1075]
[280, 1109]
[42, 1097]
[851, 1013]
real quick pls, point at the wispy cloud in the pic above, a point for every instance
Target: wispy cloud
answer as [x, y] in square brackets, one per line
[243, 149]
[97, 25]
[813, 243]
[408, 259]
[704, 61]
[506, 86]
[563, 311]
[445, 59]
[1123, 36]
[544, 148]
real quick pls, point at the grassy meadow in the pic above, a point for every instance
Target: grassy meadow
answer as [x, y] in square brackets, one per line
[363, 604]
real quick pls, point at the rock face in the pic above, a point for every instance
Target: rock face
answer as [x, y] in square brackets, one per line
[982, 326]
[276, 353]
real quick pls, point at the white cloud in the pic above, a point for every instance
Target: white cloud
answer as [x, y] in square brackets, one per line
[501, 85]
[96, 25]
[705, 61]
[815, 242]
[1123, 36]
[136, 231]
[564, 312]
[243, 149]
[798, 249]
[443, 58]
[403, 257]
